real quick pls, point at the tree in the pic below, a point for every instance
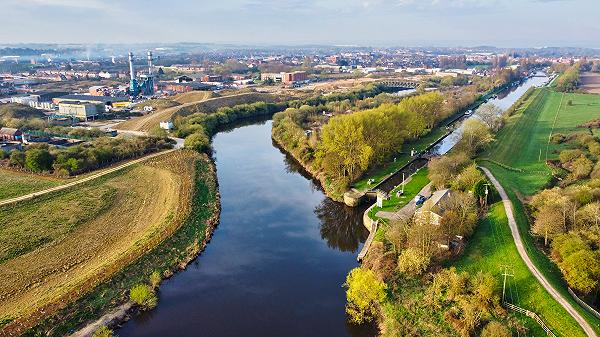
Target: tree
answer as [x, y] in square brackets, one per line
[466, 180]
[364, 295]
[582, 270]
[17, 158]
[460, 215]
[343, 142]
[197, 141]
[38, 160]
[548, 222]
[396, 234]
[143, 296]
[476, 135]
[581, 167]
[442, 170]
[491, 115]
[104, 331]
[496, 329]
[413, 262]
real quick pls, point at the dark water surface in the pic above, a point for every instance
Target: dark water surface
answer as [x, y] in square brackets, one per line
[277, 261]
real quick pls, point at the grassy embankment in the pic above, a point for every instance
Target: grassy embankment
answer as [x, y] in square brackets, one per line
[80, 243]
[411, 189]
[490, 249]
[14, 184]
[518, 160]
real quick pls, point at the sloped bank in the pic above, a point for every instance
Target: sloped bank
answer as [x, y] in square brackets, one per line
[171, 255]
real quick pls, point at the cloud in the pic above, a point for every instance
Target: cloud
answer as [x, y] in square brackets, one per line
[82, 4]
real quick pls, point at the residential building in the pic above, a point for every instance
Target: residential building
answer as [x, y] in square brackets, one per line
[433, 208]
[11, 135]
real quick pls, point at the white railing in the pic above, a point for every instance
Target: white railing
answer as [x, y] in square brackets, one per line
[531, 315]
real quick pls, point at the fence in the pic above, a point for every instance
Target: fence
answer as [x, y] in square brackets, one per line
[531, 315]
[583, 304]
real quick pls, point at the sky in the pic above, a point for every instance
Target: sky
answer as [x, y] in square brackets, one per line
[501, 23]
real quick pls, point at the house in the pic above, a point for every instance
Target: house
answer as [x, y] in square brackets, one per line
[11, 135]
[433, 208]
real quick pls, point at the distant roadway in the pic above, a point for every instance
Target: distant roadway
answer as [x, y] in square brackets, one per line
[521, 248]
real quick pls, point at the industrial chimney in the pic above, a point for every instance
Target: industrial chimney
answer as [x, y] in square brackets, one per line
[149, 63]
[131, 72]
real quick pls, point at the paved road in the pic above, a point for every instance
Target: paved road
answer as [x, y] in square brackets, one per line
[521, 248]
[83, 180]
[408, 210]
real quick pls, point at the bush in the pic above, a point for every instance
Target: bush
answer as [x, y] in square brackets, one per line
[104, 331]
[155, 279]
[412, 262]
[143, 296]
[496, 329]
[198, 141]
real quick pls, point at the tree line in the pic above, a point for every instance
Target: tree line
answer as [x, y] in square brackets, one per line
[39, 158]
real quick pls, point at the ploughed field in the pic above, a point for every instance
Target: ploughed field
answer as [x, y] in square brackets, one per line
[590, 82]
[56, 247]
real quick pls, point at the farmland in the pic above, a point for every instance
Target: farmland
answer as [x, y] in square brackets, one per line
[590, 83]
[57, 247]
[14, 184]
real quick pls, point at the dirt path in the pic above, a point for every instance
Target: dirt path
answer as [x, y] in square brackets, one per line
[81, 181]
[521, 249]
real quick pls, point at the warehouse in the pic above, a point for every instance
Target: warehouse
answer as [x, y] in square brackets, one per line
[80, 110]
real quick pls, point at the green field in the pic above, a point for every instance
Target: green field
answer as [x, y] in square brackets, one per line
[416, 184]
[518, 160]
[490, 249]
[14, 184]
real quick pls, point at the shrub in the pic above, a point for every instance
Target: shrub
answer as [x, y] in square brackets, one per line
[155, 279]
[413, 262]
[496, 329]
[198, 141]
[104, 331]
[143, 296]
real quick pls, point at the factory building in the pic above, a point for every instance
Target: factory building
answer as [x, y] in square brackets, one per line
[80, 110]
[116, 102]
[293, 77]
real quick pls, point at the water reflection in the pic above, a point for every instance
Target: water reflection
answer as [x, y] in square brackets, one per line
[341, 226]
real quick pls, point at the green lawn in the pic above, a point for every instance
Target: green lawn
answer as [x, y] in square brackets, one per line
[14, 184]
[416, 184]
[491, 248]
[522, 145]
[403, 158]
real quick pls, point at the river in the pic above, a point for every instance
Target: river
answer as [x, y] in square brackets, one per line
[277, 261]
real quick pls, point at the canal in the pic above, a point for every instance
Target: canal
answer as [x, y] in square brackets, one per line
[276, 263]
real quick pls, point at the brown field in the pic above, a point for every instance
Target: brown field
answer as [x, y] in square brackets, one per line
[78, 238]
[145, 123]
[194, 96]
[590, 83]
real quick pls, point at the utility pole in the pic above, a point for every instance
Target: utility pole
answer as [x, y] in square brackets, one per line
[505, 274]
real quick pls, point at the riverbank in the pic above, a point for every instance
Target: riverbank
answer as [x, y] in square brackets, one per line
[194, 222]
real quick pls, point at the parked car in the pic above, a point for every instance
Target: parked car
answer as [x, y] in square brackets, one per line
[419, 200]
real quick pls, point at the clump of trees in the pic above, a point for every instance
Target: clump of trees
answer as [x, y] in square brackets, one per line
[570, 78]
[104, 331]
[567, 216]
[77, 159]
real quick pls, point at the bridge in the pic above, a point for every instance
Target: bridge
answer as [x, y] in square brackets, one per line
[399, 84]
